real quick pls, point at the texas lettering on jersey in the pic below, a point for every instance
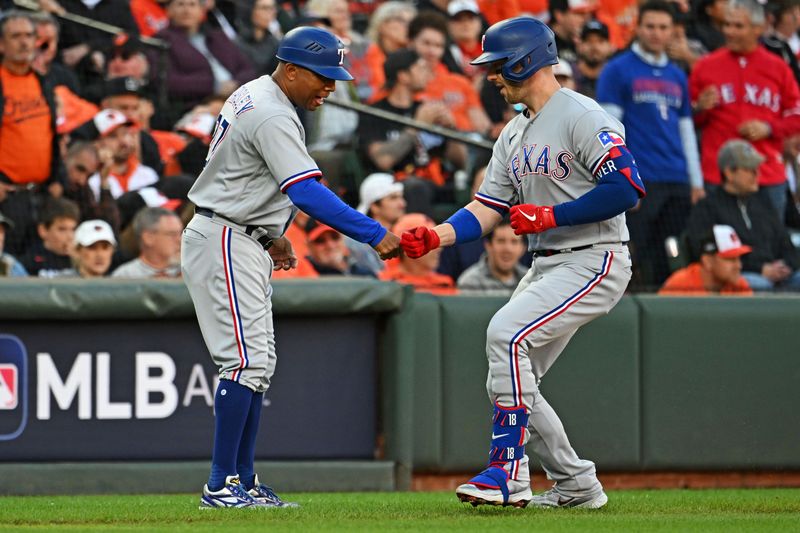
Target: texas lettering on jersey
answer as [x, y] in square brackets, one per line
[753, 95]
[533, 160]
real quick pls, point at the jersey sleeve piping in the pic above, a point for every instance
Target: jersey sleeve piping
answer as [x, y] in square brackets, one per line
[491, 201]
[300, 176]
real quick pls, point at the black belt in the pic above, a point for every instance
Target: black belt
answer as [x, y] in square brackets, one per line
[548, 253]
[263, 240]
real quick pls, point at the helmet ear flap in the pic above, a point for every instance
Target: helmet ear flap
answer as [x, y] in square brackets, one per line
[517, 70]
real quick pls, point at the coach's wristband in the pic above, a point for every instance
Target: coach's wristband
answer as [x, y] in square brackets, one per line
[466, 225]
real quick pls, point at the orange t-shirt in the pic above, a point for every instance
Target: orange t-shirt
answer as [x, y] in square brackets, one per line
[688, 282]
[26, 132]
[497, 10]
[170, 145]
[150, 16]
[375, 58]
[621, 17]
[74, 110]
[457, 93]
[433, 282]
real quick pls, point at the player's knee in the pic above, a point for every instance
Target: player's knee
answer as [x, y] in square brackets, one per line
[497, 332]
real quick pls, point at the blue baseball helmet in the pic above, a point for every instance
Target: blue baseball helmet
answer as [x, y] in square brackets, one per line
[522, 41]
[316, 49]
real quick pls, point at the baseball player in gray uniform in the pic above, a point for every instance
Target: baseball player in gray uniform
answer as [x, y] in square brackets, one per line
[257, 174]
[563, 172]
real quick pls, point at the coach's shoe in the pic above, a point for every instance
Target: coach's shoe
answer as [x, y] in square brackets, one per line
[494, 487]
[266, 496]
[553, 498]
[232, 495]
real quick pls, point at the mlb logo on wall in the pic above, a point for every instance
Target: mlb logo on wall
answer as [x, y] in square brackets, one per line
[13, 387]
[9, 386]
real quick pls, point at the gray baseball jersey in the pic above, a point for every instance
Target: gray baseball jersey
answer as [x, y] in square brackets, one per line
[549, 159]
[257, 151]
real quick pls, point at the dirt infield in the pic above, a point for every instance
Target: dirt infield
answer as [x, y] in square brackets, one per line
[638, 480]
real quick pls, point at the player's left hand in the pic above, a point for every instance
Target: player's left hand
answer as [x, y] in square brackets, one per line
[282, 254]
[389, 246]
[530, 218]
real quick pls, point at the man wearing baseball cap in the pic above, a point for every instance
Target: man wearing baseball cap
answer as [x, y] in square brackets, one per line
[381, 198]
[594, 48]
[94, 247]
[719, 270]
[328, 254]
[124, 172]
[773, 263]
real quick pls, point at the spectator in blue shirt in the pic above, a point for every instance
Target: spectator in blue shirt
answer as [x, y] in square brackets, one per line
[649, 94]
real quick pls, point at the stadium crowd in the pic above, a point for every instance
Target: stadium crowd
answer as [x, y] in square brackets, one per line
[103, 133]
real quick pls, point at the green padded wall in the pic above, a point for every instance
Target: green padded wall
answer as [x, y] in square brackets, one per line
[594, 386]
[412, 372]
[721, 383]
[467, 419]
[595, 389]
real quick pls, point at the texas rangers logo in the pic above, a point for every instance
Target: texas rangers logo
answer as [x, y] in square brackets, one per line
[341, 56]
[609, 140]
[9, 387]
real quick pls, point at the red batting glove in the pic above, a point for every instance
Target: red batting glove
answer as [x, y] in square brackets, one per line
[530, 218]
[419, 241]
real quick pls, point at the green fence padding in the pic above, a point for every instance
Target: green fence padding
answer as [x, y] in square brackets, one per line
[594, 385]
[467, 417]
[720, 383]
[411, 379]
[428, 409]
[72, 299]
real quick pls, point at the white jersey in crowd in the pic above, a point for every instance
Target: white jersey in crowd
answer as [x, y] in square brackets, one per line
[257, 151]
[550, 159]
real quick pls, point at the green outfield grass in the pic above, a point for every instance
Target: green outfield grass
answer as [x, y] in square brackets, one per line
[658, 510]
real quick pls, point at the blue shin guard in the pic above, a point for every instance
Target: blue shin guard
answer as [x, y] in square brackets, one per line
[509, 425]
[508, 434]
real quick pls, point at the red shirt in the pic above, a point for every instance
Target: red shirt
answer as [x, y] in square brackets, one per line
[758, 85]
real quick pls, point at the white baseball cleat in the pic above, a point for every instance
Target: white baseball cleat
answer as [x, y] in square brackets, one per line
[493, 487]
[553, 498]
[232, 495]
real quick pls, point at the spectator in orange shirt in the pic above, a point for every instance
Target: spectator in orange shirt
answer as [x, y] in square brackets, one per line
[719, 270]
[428, 34]
[419, 273]
[497, 10]
[296, 234]
[30, 162]
[150, 16]
[388, 31]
